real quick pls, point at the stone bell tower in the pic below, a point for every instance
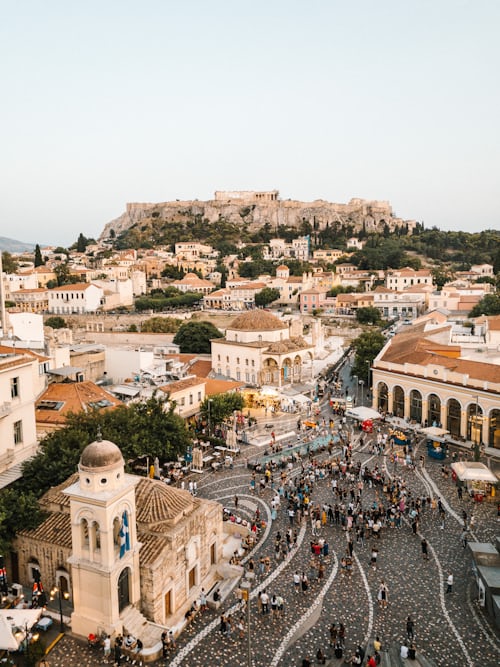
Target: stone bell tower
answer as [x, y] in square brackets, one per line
[105, 551]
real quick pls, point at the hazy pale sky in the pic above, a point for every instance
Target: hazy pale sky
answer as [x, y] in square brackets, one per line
[107, 102]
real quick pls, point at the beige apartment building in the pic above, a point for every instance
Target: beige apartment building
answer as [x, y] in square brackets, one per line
[422, 376]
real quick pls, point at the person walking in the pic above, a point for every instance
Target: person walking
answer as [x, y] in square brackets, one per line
[423, 545]
[382, 594]
[410, 626]
[106, 645]
[449, 583]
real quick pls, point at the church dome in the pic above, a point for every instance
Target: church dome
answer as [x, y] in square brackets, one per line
[257, 320]
[101, 454]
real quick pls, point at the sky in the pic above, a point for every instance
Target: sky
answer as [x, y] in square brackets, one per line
[107, 102]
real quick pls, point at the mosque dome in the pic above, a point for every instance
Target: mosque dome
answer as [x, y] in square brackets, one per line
[101, 454]
[257, 320]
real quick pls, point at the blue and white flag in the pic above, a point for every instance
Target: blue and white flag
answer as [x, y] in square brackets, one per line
[124, 535]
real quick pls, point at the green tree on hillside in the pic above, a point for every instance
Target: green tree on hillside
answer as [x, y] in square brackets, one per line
[150, 427]
[266, 296]
[38, 256]
[9, 264]
[489, 305]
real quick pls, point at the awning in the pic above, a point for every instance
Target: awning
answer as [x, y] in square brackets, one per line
[65, 371]
[268, 391]
[471, 471]
[361, 413]
[124, 390]
[300, 398]
[435, 431]
[14, 621]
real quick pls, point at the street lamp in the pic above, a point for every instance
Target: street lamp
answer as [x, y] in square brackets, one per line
[477, 450]
[24, 635]
[57, 592]
[246, 587]
[209, 417]
[362, 383]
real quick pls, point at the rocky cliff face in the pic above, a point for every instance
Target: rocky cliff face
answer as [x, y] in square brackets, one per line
[254, 214]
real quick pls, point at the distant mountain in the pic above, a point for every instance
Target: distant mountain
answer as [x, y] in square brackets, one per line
[10, 245]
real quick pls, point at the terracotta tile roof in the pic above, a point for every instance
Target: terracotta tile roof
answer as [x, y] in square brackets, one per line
[152, 547]
[180, 385]
[213, 387]
[494, 323]
[201, 367]
[30, 291]
[5, 349]
[75, 397]
[414, 348]
[55, 530]
[55, 495]
[257, 320]
[76, 287]
[158, 503]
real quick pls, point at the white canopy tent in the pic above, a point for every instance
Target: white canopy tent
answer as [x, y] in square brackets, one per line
[435, 432]
[13, 623]
[362, 412]
[471, 471]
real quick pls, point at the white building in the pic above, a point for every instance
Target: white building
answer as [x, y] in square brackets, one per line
[402, 278]
[259, 350]
[20, 384]
[78, 298]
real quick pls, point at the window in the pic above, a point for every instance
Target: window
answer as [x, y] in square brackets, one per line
[246, 362]
[192, 577]
[247, 377]
[253, 363]
[18, 432]
[14, 387]
[238, 375]
[190, 399]
[199, 396]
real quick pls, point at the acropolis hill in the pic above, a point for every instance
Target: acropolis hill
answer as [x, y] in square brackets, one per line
[253, 209]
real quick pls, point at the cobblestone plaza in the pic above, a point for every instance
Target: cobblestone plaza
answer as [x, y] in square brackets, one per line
[450, 628]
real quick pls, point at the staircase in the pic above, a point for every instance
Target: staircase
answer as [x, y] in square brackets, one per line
[138, 625]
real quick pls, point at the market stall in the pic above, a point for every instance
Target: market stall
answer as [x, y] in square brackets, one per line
[478, 479]
[436, 441]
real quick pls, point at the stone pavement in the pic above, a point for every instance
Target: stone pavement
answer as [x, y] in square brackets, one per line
[450, 629]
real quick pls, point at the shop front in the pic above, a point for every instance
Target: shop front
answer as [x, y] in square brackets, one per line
[479, 481]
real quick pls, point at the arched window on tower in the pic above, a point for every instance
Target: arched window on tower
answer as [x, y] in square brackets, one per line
[97, 535]
[116, 533]
[84, 533]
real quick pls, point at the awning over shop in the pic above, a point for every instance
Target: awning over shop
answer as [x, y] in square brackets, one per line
[471, 471]
[435, 432]
[13, 623]
[362, 413]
